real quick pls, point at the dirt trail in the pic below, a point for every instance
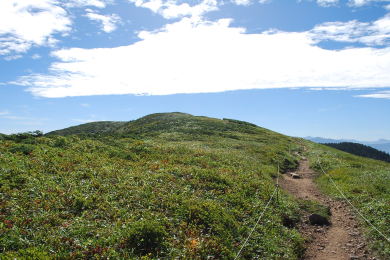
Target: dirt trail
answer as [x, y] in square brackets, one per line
[342, 239]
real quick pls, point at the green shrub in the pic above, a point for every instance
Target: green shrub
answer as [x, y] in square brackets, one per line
[144, 237]
[210, 216]
[60, 142]
[28, 253]
[124, 155]
[25, 149]
[289, 164]
[313, 207]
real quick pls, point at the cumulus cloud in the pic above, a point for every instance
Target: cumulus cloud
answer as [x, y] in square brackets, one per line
[27, 23]
[170, 9]
[108, 22]
[192, 56]
[369, 33]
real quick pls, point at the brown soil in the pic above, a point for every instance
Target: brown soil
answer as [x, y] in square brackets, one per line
[342, 239]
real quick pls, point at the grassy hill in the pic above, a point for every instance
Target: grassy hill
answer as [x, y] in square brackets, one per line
[164, 186]
[361, 150]
[90, 128]
[160, 123]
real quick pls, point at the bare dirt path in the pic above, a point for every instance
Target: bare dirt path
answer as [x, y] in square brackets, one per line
[342, 239]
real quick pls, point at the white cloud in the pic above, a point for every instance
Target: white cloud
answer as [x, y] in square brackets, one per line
[242, 2]
[327, 3]
[359, 3]
[36, 56]
[192, 56]
[21, 120]
[174, 8]
[373, 33]
[108, 22]
[27, 23]
[81, 3]
[382, 94]
[12, 57]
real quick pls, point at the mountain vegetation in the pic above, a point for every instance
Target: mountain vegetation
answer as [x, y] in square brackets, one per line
[381, 144]
[90, 128]
[361, 150]
[364, 182]
[168, 185]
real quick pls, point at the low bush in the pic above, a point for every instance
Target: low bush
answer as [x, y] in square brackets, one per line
[145, 237]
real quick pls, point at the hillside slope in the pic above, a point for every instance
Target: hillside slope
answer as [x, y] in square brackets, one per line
[160, 123]
[366, 184]
[164, 186]
[381, 145]
[89, 128]
[361, 150]
[183, 186]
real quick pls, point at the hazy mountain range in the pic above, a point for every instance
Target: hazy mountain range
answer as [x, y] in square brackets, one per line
[381, 144]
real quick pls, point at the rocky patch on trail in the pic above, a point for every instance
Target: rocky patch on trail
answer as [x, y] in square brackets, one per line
[316, 219]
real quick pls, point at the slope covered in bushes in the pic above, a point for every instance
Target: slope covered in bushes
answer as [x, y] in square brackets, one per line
[181, 186]
[361, 150]
[365, 182]
[167, 186]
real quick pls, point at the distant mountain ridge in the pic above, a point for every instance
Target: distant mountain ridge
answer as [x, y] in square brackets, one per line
[361, 150]
[160, 123]
[381, 144]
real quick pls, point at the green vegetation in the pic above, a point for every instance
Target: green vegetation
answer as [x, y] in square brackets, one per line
[90, 128]
[361, 150]
[313, 207]
[166, 186]
[366, 184]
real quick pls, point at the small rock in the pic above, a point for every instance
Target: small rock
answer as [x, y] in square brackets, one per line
[295, 176]
[354, 257]
[316, 219]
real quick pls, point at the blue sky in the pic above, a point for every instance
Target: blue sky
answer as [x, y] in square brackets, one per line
[318, 68]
